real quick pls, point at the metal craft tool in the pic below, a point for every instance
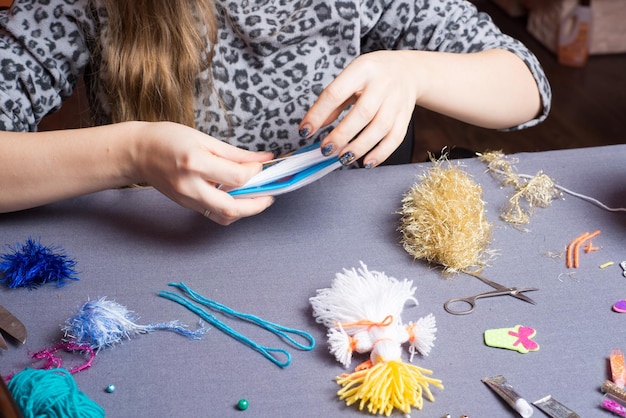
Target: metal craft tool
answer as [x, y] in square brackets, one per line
[11, 326]
[501, 290]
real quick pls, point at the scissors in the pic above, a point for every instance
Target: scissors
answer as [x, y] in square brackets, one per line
[516, 292]
[12, 326]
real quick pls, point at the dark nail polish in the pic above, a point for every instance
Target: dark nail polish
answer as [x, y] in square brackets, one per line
[370, 164]
[304, 132]
[327, 149]
[347, 158]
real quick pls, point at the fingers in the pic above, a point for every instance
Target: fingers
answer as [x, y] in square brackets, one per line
[211, 198]
[229, 174]
[377, 105]
[377, 141]
[234, 209]
[232, 153]
[208, 197]
[376, 123]
[194, 170]
[216, 204]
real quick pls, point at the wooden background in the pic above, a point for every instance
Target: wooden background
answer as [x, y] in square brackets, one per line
[588, 106]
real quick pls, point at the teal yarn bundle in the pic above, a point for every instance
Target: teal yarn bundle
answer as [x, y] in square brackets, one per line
[51, 394]
[271, 353]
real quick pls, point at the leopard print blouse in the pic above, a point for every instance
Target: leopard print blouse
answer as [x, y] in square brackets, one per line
[272, 58]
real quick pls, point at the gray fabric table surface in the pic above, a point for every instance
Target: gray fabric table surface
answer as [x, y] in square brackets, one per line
[129, 244]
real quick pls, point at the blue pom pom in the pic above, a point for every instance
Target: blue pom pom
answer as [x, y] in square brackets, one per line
[32, 264]
[103, 323]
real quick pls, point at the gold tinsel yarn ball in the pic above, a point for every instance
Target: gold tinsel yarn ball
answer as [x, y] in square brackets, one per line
[443, 219]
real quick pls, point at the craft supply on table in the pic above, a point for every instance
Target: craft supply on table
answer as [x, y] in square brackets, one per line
[518, 338]
[573, 248]
[12, 326]
[443, 220]
[268, 352]
[537, 191]
[470, 301]
[530, 191]
[51, 360]
[99, 324]
[610, 387]
[110, 388]
[289, 173]
[363, 313]
[500, 386]
[242, 405]
[51, 393]
[554, 409]
[613, 404]
[620, 306]
[623, 266]
[618, 372]
[32, 264]
[103, 323]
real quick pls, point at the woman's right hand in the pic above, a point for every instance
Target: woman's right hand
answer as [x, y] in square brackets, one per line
[194, 170]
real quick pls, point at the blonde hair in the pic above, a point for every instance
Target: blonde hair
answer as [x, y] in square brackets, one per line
[152, 52]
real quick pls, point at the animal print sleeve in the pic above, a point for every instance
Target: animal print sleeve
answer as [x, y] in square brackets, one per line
[443, 25]
[42, 55]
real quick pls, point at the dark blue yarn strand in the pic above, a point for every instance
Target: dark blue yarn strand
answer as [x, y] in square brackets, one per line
[32, 264]
[267, 352]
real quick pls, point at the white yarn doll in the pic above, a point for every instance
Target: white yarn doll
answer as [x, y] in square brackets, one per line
[362, 311]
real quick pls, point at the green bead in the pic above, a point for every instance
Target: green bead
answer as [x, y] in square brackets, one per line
[242, 404]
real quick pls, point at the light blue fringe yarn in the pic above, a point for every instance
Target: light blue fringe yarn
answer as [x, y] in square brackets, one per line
[102, 323]
[267, 352]
[51, 394]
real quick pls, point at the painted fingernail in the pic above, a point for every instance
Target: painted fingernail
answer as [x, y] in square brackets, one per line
[304, 132]
[327, 149]
[370, 164]
[347, 158]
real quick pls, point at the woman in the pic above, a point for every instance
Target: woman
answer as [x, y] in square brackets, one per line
[188, 95]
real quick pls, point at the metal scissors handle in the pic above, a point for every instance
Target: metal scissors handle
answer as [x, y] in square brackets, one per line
[12, 326]
[470, 301]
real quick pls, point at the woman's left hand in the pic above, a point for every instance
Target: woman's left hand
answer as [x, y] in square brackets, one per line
[381, 87]
[493, 89]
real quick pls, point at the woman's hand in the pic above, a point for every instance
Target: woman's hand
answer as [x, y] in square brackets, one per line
[182, 163]
[383, 90]
[492, 88]
[194, 170]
